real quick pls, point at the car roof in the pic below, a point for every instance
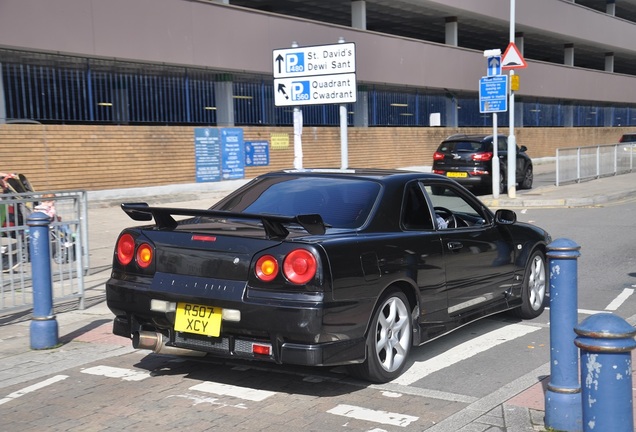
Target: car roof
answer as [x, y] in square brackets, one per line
[376, 174]
[471, 137]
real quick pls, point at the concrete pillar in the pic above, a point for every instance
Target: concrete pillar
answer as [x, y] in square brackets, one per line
[451, 31]
[361, 109]
[518, 113]
[224, 99]
[451, 111]
[610, 7]
[608, 116]
[3, 102]
[568, 116]
[609, 62]
[359, 14]
[568, 54]
[519, 38]
[121, 102]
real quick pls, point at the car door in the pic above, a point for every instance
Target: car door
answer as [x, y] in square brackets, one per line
[423, 252]
[478, 254]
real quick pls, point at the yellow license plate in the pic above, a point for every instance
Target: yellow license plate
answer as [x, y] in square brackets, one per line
[198, 319]
[456, 174]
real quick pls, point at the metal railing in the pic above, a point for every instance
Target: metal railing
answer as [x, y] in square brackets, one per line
[68, 243]
[577, 164]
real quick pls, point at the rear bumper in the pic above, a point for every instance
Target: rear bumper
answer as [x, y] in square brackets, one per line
[235, 346]
[473, 180]
[295, 330]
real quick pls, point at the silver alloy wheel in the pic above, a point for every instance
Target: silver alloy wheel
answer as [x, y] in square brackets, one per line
[536, 283]
[393, 334]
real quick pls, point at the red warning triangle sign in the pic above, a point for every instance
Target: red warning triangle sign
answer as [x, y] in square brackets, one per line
[512, 58]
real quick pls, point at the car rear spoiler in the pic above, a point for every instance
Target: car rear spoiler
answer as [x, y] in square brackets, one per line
[274, 225]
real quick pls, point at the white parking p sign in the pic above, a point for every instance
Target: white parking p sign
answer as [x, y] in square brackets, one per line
[295, 63]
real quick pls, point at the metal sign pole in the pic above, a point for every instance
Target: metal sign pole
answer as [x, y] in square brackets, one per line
[512, 141]
[298, 131]
[495, 158]
[344, 140]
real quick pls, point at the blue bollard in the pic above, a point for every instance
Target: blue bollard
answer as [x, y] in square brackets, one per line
[563, 396]
[605, 341]
[44, 330]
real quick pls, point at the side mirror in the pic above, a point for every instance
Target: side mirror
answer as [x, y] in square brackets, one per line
[523, 149]
[505, 217]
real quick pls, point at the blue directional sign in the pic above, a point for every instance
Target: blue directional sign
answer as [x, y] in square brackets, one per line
[493, 66]
[493, 94]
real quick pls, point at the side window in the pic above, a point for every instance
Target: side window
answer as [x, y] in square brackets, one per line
[415, 212]
[449, 204]
[502, 145]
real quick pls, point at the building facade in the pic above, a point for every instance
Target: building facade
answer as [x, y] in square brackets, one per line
[196, 62]
[106, 93]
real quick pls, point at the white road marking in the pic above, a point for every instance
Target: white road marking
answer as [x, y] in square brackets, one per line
[589, 312]
[376, 416]
[114, 372]
[618, 301]
[32, 388]
[234, 391]
[585, 311]
[463, 351]
[196, 400]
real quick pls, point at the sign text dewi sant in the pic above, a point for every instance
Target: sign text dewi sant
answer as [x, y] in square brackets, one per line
[315, 60]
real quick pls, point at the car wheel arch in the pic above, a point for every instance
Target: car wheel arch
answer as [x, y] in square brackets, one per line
[410, 291]
[388, 341]
[538, 287]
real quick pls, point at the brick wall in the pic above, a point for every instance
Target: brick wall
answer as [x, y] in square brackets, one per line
[62, 157]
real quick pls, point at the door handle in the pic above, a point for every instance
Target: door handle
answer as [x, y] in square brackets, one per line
[455, 245]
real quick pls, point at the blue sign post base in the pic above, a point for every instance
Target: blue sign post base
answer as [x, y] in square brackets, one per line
[44, 333]
[563, 411]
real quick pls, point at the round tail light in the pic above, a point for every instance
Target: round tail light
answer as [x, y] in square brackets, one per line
[266, 268]
[144, 255]
[125, 249]
[300, 266]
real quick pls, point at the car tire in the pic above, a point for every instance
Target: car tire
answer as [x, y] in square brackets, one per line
[535, 287]
[502, 183]
[528, 177]
[487, 190]
[388, 341]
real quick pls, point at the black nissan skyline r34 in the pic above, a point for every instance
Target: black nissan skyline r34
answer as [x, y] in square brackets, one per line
[322, 268]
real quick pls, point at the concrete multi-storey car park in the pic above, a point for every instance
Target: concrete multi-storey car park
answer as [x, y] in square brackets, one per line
[105, 78]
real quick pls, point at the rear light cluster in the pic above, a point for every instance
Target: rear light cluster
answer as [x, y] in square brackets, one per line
[299, 267]
[438, 156]
[482, 156]
[127, 250]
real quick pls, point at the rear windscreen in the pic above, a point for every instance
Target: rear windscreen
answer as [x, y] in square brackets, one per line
[462, 146]
[342, 203]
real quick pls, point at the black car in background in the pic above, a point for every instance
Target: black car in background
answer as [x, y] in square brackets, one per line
[629, 137]
[629, 143]
[467, 159]
[322, 268]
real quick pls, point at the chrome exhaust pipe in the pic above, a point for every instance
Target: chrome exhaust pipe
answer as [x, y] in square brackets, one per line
[156, 342]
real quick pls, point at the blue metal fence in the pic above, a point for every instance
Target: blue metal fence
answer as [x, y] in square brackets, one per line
[61, 89]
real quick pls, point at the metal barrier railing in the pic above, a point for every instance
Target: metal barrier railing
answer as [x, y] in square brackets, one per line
[585, 163]
[68, 245]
